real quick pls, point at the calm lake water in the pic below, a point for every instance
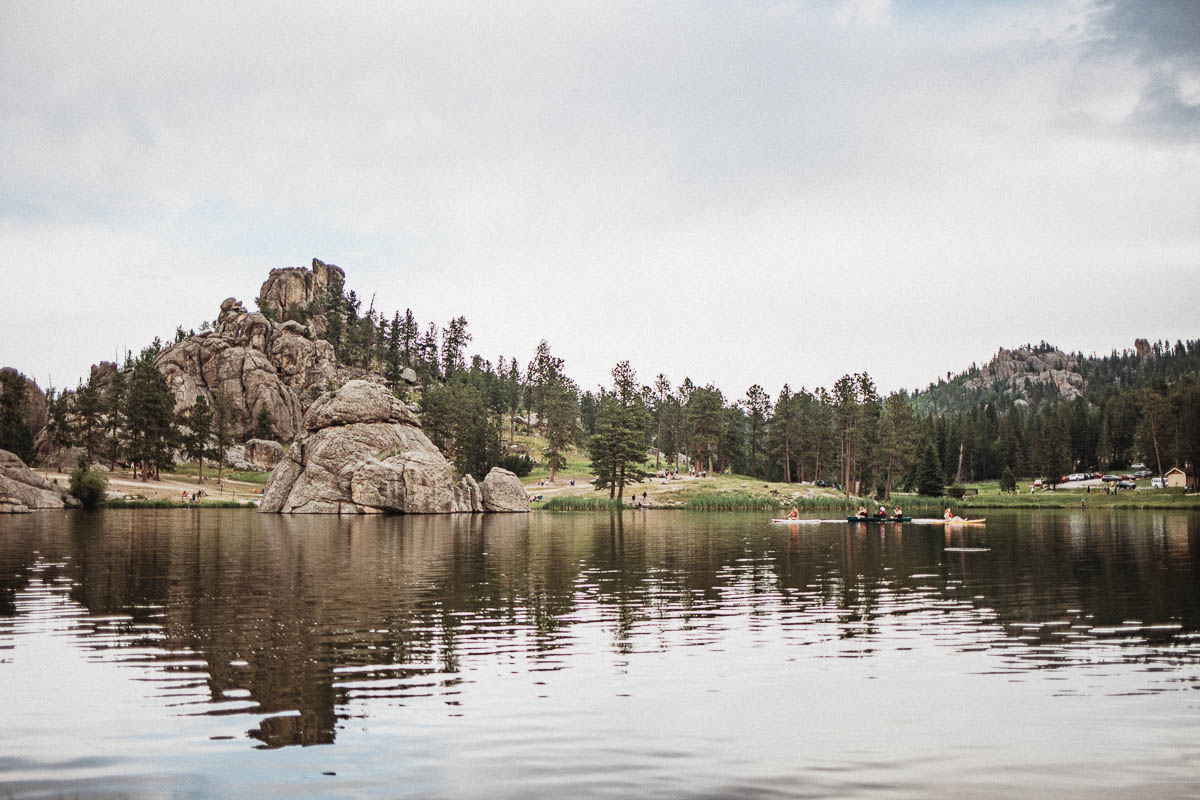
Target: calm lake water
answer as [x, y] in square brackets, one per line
[649, 654]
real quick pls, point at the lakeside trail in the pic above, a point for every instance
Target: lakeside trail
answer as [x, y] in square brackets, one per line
[169, 488]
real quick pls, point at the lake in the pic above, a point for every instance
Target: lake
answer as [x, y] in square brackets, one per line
[213, 653]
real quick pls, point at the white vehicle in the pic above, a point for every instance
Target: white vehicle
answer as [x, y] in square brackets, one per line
[1158, 483]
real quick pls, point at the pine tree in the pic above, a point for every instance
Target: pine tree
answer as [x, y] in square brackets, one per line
[149, 412]
[930, 480]
[561, 425]
[114, 417]
[392, 358]
[264, 426]
[197, 441]
[89, 424]
[58, 427]
[618, 448]
[15, 434]
[758, 404]
[1008, 481]
[222, 431]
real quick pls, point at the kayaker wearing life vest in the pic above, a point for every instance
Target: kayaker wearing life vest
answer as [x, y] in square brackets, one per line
[795, 513]
[897, 513]
[862, 512]
[949, 516]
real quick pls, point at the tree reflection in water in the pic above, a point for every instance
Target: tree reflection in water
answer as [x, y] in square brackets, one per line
[315, 619]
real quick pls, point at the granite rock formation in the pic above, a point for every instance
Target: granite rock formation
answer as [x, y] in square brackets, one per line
[22, 489]
[296, 287]
[1023, 367]
[502, 491]
[263, 453]
[362, 451]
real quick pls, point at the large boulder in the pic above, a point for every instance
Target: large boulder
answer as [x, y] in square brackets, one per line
[503, 491]
[22, 489]
[362, 451]
[296, 287]
[263, 453]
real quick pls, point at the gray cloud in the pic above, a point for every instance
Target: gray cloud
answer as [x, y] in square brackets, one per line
[711, 189]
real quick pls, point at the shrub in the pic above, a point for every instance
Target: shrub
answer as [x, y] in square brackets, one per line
[519, 465]
[88, 485]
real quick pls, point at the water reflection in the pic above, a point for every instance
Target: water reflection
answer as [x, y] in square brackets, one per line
[305, 623]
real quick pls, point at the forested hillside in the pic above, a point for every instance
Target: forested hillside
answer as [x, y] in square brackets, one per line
[1031, 411]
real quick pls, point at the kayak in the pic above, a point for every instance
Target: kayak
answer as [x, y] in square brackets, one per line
[877, 519]
[979, 521]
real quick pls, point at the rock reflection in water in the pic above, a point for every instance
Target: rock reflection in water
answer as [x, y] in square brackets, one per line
[304, 622]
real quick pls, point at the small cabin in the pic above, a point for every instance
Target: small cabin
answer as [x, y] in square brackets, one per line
[1175, 478]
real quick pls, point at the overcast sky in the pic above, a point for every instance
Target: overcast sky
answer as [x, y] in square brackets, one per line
[737, 192]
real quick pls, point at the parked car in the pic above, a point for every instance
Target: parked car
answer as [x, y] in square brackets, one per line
[1143, 473]
[1110, 478]
[1038, 483]
[1126, 484]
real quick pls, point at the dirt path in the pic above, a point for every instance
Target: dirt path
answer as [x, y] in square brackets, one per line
[171, 488]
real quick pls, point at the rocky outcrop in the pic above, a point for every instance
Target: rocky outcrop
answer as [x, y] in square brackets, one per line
[361, 451]
[296, 287]
[211, 364]
[502, 491]
[257, 363]
[22, 489]
[1018, 370]
[263, 453]
[306, 365]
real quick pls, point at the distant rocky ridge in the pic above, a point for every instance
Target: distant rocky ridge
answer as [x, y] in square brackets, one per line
[1023, 367]
[1021, 376]
[362, 451]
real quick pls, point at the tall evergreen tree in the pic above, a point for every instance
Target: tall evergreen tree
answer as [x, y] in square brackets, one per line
[197, 441]
[930, 481]
[149, 413]
[561, 425]
[15, 434]
[222, 431]
[758, 405]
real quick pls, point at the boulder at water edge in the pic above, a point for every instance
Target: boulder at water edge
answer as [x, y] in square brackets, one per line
[22, 489]
[362, 451]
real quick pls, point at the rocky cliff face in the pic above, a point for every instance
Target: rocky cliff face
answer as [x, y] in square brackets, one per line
[257, 363]
[296, 286]
[1023, 367]
[362, 451]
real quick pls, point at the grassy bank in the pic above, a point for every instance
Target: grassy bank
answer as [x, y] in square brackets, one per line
[164, 503]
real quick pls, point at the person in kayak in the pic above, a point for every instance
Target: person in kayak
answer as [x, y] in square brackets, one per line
[862, 512]
[795, 513]
[949, 516]
[881, 513]
[897, 513]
